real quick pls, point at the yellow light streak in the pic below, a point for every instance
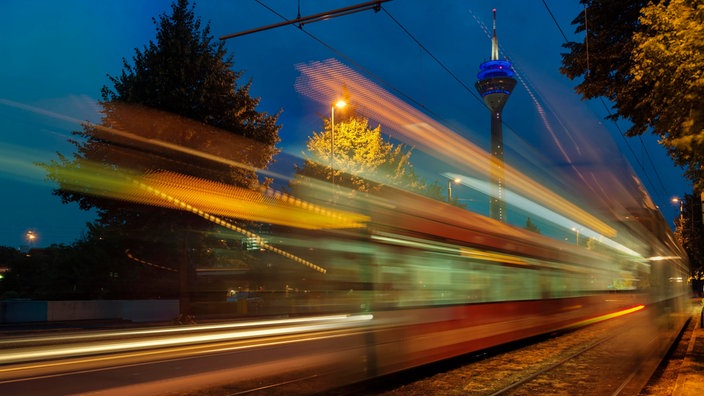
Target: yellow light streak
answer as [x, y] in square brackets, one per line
[167, 189]
[606, 317]
[180, 190]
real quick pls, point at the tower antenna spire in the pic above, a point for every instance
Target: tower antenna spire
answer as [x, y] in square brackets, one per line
[494, 41]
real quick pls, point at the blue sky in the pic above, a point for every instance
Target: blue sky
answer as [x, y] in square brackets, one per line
[57, 56]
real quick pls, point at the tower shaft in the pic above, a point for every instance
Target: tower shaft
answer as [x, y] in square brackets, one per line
[497, 203]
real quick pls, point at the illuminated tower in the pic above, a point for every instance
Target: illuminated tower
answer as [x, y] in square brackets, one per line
[495, 83]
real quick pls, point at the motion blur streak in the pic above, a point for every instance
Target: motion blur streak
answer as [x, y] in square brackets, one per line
[607, 316]
[542, 212]
[228, 200]
[18, 162]
[166, 188]
[181, 329]
[322, 81]
[60, 351]
[231, 201]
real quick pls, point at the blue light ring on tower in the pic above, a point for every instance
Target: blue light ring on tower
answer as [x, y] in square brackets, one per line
[495, 68]
[496, 91]
[496, 64]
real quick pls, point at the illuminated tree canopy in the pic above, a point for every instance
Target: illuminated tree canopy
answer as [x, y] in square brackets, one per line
[361, 159]
[648, 59]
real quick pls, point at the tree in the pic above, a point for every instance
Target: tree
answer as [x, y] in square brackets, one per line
[689, 231]
[668, 61]
[180, 92]
[647, 59]
[360, 159]
[530, 226]
[603, 58]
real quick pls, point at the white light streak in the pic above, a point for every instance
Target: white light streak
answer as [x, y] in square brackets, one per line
[282, 327]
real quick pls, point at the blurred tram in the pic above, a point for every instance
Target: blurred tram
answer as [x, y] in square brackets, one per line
[440, 281]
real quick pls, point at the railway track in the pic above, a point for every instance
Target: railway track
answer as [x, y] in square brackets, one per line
[607, 358]
[607, 365]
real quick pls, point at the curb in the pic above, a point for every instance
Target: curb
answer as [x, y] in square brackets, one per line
[690, 380]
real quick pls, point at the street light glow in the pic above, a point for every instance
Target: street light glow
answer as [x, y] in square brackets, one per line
[456, 180]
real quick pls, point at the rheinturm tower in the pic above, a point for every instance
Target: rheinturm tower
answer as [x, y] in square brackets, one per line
[495, 82]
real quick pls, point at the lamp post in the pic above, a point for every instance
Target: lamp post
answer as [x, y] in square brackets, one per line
[449, 188]
[676, 200]
[576, 230]
[339, 104]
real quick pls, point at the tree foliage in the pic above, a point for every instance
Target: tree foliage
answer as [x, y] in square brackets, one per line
[647, 58]
[669, 62]
[359, 158]
[603, 58]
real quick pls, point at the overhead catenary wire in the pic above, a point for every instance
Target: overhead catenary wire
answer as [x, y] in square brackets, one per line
[370, 5]
[357, 65]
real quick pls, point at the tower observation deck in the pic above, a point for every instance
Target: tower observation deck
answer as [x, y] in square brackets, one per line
[495, 83]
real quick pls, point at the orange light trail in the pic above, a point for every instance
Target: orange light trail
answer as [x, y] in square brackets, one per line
[322, 80]
[606, 317]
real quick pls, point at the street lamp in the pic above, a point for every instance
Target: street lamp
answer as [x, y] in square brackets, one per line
[456, 180]
[31, 237]
[577, 231]
[675, 201]
[339, 104]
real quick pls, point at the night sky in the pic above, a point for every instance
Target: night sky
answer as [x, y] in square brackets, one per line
[57, 55]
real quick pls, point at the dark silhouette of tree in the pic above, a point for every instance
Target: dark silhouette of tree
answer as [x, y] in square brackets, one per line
[603, 59]
[91, 268]
[177, 107]
[530, 226]
[689, 231]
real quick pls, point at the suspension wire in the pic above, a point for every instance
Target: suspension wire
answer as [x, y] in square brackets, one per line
[424, 48]
[555, 20]
[610, 114]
